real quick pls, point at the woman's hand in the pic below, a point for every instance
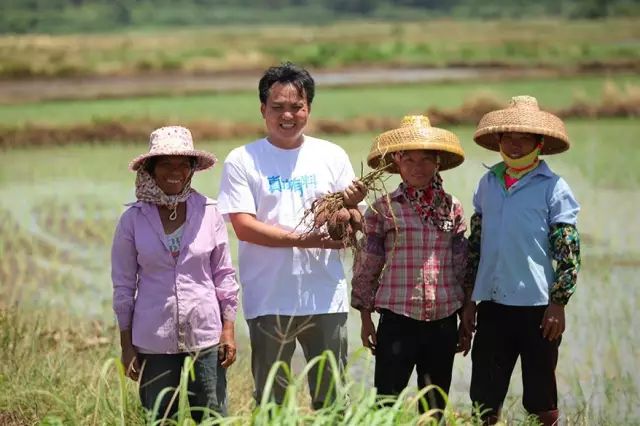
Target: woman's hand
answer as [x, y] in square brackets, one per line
[467, 327]
[227, 346]
[468, 318]
[130, 361]
[368, 332]
[129, 356]
[553, 321]
[464, 341]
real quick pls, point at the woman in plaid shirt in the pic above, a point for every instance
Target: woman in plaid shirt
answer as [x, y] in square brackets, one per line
[412, 262]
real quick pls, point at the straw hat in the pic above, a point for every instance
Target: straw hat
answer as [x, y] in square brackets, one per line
[522, 115]
[415, 132]
[173, 140]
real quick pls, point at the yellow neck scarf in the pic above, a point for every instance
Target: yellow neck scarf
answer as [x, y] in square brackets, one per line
[518, 167]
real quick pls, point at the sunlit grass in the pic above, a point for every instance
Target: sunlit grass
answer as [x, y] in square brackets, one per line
[520, 42]
[335, 103]
[57, 370]
[58, 208]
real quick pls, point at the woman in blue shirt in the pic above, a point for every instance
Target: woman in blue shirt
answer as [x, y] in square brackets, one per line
[524, 221]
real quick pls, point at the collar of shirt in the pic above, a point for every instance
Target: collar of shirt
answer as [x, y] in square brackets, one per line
[398, 195]
[499, 170]
[195, 199]
[195, 204]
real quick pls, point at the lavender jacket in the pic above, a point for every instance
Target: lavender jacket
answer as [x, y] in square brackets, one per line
[173, 305]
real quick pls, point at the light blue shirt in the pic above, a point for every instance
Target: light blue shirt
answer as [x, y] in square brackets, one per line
[515, 259]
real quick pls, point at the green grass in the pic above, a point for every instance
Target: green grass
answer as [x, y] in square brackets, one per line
[82, 382]
[336, 103]
[545, 42]
[58, 208]
[59, 205]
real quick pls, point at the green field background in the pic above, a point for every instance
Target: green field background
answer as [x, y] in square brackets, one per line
[330, 102]
[59, 207]
[59, 204]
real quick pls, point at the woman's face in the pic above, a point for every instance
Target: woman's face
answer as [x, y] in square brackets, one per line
[516, 145]
[417, 167]
[172, 172]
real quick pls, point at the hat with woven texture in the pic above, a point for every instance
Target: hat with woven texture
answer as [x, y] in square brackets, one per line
[173, 140]
[523, 116]
[416, 133]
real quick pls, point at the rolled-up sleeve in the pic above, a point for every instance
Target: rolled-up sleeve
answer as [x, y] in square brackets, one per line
[369, 263]
[224, 275]
[124, 271]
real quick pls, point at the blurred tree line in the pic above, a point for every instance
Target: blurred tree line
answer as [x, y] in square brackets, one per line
[60, 16]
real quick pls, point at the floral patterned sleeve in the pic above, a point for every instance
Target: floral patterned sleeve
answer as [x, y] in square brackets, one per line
[473, 259]
[369, 262]
[460, 249]
[564, 242]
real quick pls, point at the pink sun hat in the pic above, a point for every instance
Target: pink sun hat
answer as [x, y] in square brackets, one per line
[173, 140]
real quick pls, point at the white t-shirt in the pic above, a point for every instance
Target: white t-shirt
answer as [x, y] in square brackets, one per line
[276, 185]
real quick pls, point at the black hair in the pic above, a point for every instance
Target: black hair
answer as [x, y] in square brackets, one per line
[150, 163]
[287, 72]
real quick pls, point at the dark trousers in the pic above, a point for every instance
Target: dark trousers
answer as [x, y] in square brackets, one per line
[503, 334]
[405, 343]
[208, 390]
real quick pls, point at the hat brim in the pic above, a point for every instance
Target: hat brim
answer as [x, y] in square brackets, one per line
[522, 120]
[405, 139]
[205, 159]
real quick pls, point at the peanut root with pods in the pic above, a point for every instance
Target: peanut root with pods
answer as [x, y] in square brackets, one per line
[342, 222]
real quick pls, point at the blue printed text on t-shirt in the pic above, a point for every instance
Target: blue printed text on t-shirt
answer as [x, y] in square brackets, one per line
[298, 184]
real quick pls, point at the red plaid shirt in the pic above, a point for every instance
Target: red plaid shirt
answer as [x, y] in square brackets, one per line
[410, 267]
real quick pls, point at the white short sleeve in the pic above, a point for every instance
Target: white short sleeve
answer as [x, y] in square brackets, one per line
[235, 192]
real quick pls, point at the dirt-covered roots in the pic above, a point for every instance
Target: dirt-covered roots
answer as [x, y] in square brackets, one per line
[342, 222]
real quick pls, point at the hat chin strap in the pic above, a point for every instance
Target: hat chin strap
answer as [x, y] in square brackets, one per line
[174, 213]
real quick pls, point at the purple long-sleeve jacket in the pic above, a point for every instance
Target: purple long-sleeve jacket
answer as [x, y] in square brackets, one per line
[173, 304]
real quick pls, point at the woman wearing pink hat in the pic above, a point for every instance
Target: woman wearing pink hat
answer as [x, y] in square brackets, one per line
[174, 288]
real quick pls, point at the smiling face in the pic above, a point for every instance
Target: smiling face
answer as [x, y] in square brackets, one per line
[516, 145]
[417, 167]
[285, 113]
[172, 172]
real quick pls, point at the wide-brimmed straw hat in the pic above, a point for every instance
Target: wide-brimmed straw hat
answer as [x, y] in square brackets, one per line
[415, 132]
[524, 116]
[173, 140]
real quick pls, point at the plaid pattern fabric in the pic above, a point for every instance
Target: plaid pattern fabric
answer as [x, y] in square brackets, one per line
[409, 266]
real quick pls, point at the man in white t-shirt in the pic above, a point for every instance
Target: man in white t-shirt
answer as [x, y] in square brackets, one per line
[293, 283]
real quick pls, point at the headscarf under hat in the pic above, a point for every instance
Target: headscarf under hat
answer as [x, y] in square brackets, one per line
[148, 190]
[170, 140]
[432, 204]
